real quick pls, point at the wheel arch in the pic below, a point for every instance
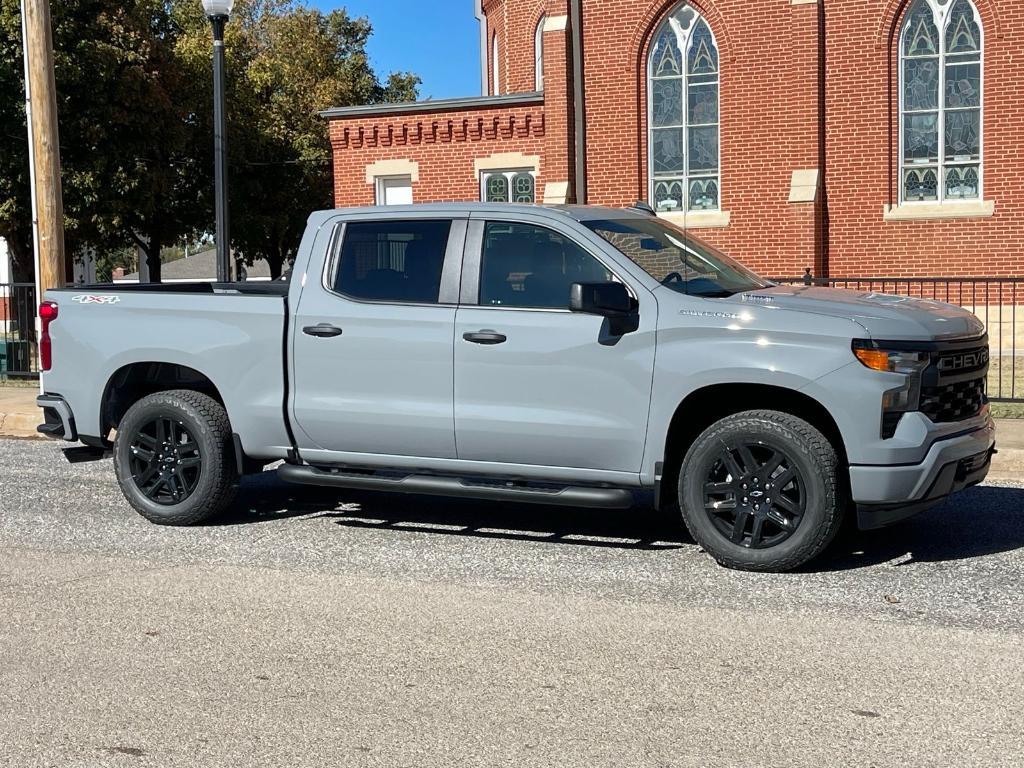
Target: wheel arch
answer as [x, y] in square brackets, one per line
[703, 407]
[134, 381]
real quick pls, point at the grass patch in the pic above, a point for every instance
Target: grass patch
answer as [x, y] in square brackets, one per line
[1006, 376]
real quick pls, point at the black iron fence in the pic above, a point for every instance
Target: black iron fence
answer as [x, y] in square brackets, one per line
[18, 354]
[997, 301]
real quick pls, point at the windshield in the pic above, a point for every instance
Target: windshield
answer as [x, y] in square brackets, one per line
[677, 258]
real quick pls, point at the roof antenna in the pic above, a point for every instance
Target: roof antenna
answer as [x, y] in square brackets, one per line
[640, 205]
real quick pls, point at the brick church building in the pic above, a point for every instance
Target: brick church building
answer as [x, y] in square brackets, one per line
[854, 137]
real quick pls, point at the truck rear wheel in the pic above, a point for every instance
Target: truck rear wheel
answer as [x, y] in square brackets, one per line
[173, 457]
[759, 491]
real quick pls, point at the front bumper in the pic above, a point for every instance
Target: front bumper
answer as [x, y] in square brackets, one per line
[889, 493]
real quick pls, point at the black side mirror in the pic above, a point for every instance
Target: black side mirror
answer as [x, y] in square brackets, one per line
[610, 300]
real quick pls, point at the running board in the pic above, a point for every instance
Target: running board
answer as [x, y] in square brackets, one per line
[436, 485]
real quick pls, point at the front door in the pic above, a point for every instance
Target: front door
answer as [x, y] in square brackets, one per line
[538, 384]
[372, 343]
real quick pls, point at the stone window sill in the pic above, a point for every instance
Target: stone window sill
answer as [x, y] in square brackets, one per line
[697, 219]
[972, 209]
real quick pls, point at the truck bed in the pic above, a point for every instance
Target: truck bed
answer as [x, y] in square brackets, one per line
[231, 334]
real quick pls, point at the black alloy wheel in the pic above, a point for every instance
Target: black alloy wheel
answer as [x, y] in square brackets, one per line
[754, 495]
[166, 462]
[175, 458]
[762, 490]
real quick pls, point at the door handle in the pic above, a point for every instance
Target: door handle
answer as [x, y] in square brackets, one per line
[323, 330]
[485, 337]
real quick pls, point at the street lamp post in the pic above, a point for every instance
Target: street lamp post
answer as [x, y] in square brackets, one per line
[218, 11]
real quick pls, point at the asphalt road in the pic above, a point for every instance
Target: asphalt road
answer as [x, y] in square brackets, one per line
[322, 628]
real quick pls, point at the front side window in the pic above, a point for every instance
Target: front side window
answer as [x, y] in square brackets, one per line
[676, 258]
[396, 261]
[508, 186]
[683, 114]
[525, 265]
[940, 102]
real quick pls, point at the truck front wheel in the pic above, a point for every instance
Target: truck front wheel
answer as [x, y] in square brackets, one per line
[173, 457]
[759, 491]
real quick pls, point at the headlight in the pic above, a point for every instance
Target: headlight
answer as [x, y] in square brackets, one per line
[878, 358]
[900, 400]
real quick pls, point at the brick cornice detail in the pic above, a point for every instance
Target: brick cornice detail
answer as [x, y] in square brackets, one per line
[442, 130]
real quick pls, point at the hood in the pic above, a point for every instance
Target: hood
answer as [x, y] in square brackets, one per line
[882, 315]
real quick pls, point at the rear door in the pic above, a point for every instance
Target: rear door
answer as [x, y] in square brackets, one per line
[372, 341]
[535, 383]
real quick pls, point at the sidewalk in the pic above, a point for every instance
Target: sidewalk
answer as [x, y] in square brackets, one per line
[19, 417]
[18, 413]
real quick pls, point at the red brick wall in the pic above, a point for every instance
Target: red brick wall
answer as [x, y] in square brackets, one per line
[862, 42]
[769, 62]
[445, 144]
[515, 22]
[767, 111]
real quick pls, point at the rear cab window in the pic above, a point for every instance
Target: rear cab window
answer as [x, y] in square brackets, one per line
[392, 261]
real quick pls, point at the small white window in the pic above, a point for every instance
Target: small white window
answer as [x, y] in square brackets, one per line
[394, 190]
[495, 80]
[516, 186]
[538, 55]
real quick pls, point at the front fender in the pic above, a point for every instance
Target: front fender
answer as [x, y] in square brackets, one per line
[687, 363]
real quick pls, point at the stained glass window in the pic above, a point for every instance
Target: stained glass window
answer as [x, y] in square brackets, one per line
[683, 113]
[508, 186]
[940, 101]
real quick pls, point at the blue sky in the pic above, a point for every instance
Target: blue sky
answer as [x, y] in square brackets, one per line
[437, 39]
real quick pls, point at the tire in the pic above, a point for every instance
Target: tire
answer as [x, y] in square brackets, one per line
[726, 483]
[174, 457]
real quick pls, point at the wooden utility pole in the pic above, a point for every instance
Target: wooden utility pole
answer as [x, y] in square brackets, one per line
[45, 143]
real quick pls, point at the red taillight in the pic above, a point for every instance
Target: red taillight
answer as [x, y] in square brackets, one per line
[47, 314]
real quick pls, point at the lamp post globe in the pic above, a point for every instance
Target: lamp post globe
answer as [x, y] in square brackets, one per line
[218, 7]
[218, 12]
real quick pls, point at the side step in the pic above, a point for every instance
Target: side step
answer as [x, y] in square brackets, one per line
[481, 488]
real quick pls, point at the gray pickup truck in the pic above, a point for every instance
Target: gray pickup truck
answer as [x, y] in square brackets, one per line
[556, 355]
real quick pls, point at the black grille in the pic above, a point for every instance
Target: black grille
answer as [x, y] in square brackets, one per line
[953, 402]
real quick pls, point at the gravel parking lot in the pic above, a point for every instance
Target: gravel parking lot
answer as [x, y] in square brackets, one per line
[312, 627]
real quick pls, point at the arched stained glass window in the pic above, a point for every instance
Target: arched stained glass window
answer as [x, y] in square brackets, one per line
[683, 113]
[538, 55]
[940, 102]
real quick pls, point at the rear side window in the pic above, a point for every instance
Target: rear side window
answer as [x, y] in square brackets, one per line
[525, 265]
[398, 261]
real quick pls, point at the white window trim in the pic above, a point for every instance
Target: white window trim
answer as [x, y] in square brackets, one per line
[538, 55]
[697, 219]
[650, 126]
[508, 173]
[408, 168]
[969, 208]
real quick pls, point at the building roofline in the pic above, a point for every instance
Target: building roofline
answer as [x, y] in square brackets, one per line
[436, 105]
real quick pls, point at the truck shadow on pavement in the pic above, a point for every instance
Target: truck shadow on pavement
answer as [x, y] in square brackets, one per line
[983, 520]
[980, 521]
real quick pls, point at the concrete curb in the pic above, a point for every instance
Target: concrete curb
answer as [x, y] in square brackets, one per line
[20, 425]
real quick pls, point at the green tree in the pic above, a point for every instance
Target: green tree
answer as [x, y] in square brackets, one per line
[135, 106]
[286, 63]
[129, 175]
